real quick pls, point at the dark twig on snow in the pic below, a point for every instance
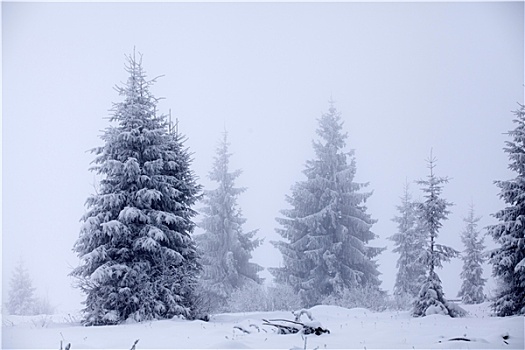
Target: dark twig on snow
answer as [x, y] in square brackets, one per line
[459, 339]
[241, 329]
[68, 346]
[135, 343]
[255, 326]
[283, 320]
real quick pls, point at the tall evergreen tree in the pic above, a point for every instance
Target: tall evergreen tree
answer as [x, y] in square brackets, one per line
[508, 260]
[471, 291]
[327, 230]
[138, 259]
[409, 242]
[225, 248]
[21, 300]
[432, 212]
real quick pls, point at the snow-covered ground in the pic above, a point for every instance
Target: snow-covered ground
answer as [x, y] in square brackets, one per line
[349, 329]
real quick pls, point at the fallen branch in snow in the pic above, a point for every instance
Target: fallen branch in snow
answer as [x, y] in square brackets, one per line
[296, 327]
[291, 327]
[282, 329]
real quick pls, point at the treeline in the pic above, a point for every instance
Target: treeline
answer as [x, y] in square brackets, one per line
[140, 259]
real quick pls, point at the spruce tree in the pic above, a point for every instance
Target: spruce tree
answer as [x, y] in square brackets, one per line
[471, 291]
[224, 246]
[432, 212]
[21, 300]
[409, 242]
[138, 258]
[508, 260]
[327, 230]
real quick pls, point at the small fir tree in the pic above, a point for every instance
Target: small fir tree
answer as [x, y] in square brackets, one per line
[327, 230]
[225, 248]
[471, 291]
[138, 259]
[21, 300]
[409, 242]
[508, 260]
[432, 212]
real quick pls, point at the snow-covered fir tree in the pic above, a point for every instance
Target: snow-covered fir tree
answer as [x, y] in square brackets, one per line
[327, 230]
[138, 258]
[21, 298]
[508, 260]
[471, 291]
[224, 247]
[409, 242]
[432, 211]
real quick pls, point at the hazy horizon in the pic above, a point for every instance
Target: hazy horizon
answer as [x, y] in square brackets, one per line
[406, 77]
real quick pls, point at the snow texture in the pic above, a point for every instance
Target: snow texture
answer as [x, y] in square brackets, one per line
[349, 329]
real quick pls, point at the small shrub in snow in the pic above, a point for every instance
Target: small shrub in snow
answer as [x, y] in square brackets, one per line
[251, 297]
[42, 321]
[283, 297]
[255, 297]
[42, 306]
[71, 319]
[431, 300]
[204, 302]
[7, 323]
[364, 297]
[401, 302]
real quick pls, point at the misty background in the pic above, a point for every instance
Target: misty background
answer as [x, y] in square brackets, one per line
[407, 77]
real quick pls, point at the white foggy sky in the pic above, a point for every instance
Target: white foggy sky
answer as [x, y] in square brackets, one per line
[405, 76]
